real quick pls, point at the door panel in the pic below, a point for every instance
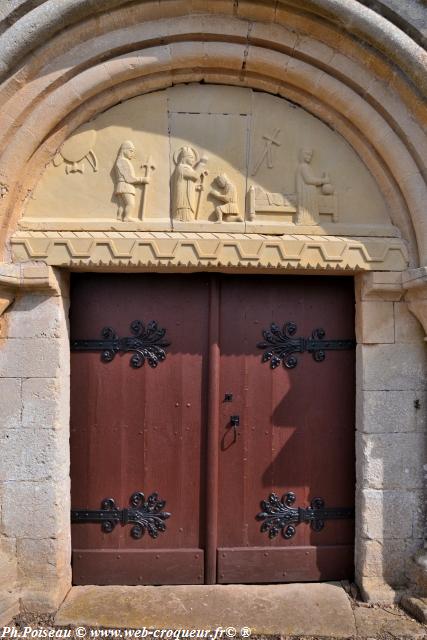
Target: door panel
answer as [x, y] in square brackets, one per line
[139, 429]
[146, 429]
[296, 429]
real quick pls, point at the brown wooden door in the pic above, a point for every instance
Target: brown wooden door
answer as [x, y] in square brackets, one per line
[139, 429]
[155, 429]
[296, 430]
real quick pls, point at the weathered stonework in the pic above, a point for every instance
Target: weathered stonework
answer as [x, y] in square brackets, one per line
[34, 437]
[390, 438]
[207, 250]
[362, 76]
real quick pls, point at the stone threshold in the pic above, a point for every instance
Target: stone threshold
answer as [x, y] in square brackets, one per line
[310, 609]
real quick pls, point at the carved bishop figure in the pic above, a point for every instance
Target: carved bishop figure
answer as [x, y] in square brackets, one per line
[184, 184]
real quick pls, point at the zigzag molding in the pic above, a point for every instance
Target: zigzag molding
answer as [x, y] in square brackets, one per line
[209, 250]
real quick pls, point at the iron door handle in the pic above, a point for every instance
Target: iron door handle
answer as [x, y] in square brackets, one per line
[235, 422]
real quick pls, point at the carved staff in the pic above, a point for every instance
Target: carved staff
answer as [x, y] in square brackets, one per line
[200, 189]
[149, 167]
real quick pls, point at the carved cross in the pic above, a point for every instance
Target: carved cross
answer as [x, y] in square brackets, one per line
[268, 150]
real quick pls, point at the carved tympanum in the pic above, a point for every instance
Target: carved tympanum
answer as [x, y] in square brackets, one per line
[226, 193]
[187, 184]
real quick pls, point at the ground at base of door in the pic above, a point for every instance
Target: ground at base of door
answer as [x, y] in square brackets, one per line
[303, 611]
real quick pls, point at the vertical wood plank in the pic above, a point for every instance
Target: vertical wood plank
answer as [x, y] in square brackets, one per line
[212, 436]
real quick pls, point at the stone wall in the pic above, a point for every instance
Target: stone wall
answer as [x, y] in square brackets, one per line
[391, 410]
[34, 465]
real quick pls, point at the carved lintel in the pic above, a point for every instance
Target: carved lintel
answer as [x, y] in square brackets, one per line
[30, 275]
[259, 251]
[415, 284]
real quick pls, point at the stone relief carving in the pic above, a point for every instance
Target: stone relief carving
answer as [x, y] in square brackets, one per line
[187, 183]
[135, 248]
[268, 171]
[226, 193]
[77, 149]
[314, 196]
[307, 184]
[126, 181]
[267, 153]
[4, 190]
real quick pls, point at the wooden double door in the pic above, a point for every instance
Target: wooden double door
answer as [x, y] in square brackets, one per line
[213, 430]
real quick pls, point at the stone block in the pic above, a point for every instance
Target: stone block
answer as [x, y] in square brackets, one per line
[391, 461]
[36, 316]
[256, 11]
[421, 411]
[382, 559]
[377, 590]
[407, 327]
[281, 610]
[417, 571]
[45, 403]
[379, 285]
[416, 607]
[391, 367]
[34, 357]
[374, 322]
[8, 564]
[34, 454]
[10, 409]
[46, 513]
[385, 621]
[419, 513]
[386, 411]
[43, 559]
[385, 514]
[46, 596]
[9, 607]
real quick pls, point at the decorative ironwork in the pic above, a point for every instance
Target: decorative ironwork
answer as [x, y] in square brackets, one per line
[280, 344]
[148, 515]
[280, 516]
[147, 344]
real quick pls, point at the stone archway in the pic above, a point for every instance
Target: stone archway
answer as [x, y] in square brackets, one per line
[365, 82]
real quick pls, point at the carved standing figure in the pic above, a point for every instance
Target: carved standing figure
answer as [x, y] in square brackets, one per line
[126, 179]
[184, 188]
[227, 194]
[306, 188]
